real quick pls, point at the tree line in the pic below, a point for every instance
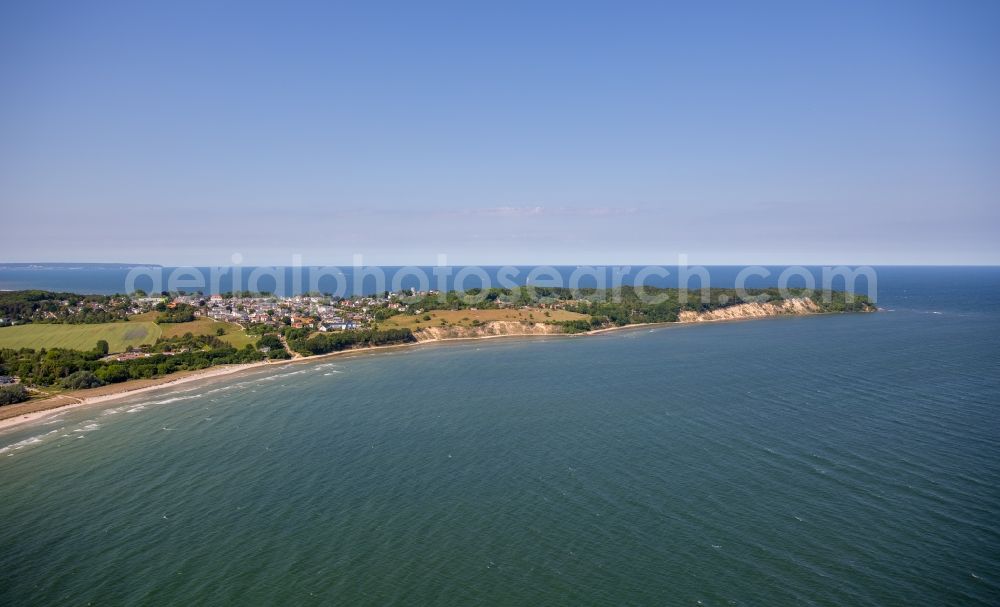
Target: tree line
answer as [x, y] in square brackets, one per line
[322, 343]
[87, 369]
[36, 306]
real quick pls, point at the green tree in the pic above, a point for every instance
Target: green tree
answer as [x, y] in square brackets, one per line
[81, 380]
[13, 394]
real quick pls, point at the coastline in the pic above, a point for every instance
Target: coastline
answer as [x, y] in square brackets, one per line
[13, 415]
[22, 413]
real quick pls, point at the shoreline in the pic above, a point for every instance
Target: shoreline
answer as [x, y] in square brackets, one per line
[23, 413]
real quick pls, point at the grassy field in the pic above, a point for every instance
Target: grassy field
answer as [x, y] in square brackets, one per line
[119, 335]
[465, 318]
[234, 334]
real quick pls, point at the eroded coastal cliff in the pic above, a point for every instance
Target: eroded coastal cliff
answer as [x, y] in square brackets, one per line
[495, 328]
[796, 306]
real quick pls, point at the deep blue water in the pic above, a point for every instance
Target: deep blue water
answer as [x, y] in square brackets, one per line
[833, 460]
[347, 280]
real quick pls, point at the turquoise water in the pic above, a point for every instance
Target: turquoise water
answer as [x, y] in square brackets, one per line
[838, 460]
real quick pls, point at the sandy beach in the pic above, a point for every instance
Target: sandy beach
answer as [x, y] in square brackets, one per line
[12, 415]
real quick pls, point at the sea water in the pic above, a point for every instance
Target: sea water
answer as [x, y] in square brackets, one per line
[828, 460]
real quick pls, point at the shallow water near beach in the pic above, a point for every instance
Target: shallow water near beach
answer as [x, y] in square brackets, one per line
[835, 460]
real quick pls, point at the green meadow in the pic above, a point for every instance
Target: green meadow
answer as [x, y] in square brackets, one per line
[119, 335]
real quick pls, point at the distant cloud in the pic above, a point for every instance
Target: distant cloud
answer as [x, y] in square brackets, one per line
[599, 211]
[509, 211]
[534, 211]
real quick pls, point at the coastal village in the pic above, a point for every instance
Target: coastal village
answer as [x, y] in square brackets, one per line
[320, 312]
[255, 311]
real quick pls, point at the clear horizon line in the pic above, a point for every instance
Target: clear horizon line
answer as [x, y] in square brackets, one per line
[500, 265]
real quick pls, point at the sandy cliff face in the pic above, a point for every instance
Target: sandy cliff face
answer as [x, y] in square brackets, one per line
[798, 305]
[795, 306]
[490, 329]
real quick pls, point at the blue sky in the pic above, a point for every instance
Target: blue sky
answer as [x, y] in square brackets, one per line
[764, 132]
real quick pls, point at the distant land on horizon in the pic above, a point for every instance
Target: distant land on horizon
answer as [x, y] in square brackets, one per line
[66, 265]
